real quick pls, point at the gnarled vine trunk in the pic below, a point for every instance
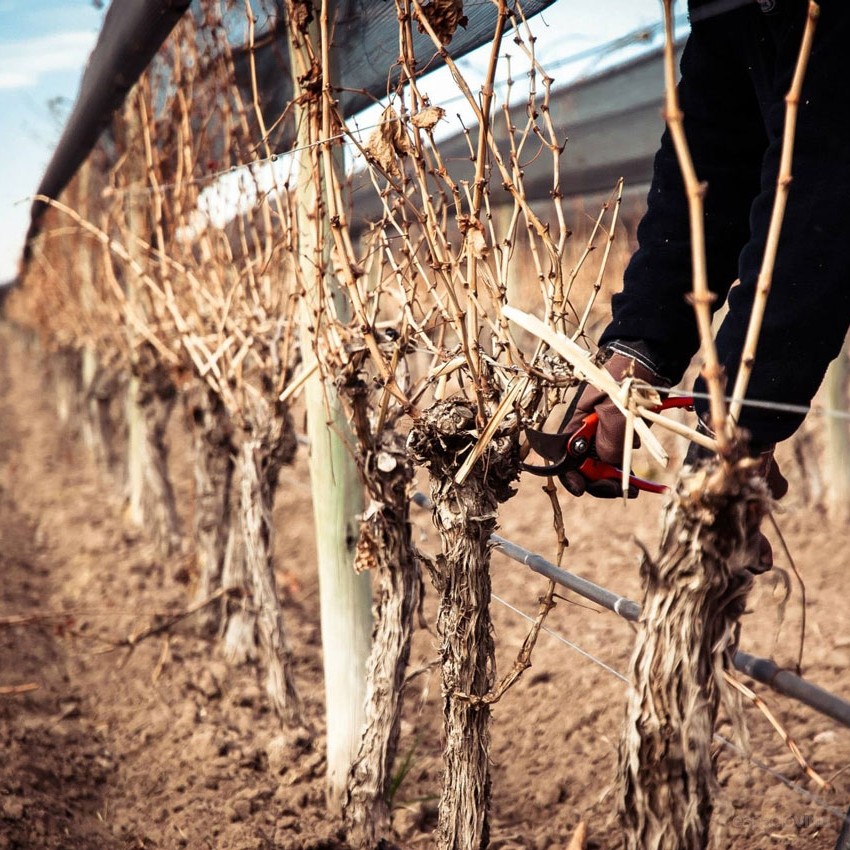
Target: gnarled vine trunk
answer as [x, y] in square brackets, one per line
[151, 398]
[267, 442]
[239, 642]
[385, 546]
[465, 516]
[695, 592]
[212, 436]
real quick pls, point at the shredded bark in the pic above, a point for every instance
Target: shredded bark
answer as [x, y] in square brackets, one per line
[465, 516]
[695, 592]
[385, 546]
[212, 438]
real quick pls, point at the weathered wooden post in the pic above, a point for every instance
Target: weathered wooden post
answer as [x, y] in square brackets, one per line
[345, 597]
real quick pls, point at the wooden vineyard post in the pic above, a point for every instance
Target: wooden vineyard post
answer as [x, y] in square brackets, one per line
[92, 434]
[135, 220]
[345, 597]
[151, 394]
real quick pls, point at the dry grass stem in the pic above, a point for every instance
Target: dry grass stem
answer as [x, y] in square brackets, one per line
[14, 690]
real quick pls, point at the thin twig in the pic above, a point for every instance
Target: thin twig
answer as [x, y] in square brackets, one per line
[14, 690]
[517, 388]
[133, 640]
[771, 718]
[702, 297]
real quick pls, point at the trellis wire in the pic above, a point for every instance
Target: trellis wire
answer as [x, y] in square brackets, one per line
[760, 669]
[780, 407]
[574, 646]
[766, 768]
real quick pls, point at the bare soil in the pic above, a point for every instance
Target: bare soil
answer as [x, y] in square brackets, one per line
[163, 745]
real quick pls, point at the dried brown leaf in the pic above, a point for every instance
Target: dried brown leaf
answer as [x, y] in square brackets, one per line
[301, 12]
[427, 118]
[388, 142]
[444, 16]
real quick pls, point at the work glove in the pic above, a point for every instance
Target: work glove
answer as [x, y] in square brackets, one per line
[777, 485]
[621, 361]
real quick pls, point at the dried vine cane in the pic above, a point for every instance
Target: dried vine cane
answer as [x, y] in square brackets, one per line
[695, 190]
[783, 181]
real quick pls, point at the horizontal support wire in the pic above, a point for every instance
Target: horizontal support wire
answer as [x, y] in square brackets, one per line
[761, 669]
[766, 768]
[781, 407]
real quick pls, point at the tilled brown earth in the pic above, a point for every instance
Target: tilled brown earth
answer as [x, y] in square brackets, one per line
[163, 745]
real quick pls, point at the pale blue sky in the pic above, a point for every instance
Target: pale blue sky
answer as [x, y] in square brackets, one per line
[44, 46]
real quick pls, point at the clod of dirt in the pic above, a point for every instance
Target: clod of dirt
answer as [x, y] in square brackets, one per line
[280, 755]
[13, 808]
[239, 810]
[551, 793]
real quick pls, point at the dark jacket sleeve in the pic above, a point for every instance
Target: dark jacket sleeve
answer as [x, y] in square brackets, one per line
[727, 139]
[736, 71]
[808, 308]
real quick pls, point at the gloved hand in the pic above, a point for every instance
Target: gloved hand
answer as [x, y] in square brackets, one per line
[621, 363]
[777, 485]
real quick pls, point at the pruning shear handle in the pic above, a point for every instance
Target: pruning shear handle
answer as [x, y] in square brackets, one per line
[576, 451]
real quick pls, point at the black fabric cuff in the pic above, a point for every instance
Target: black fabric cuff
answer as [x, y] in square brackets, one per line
[640, 352]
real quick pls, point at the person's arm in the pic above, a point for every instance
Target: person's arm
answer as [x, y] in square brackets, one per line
[808, 308]
[726, 137]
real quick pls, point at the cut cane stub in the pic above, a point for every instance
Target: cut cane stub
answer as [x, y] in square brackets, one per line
[386, 462]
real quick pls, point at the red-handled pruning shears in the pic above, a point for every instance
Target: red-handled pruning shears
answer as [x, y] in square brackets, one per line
[576, 451]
